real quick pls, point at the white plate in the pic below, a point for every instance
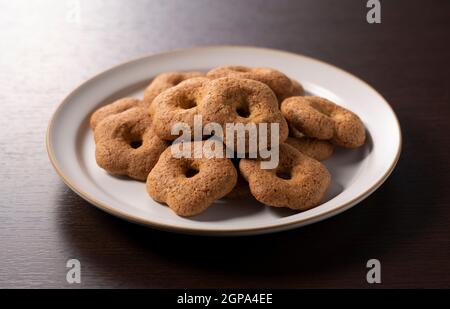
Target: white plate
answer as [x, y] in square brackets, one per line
[355, 173]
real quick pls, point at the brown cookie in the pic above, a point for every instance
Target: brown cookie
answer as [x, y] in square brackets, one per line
[160, 83]
[299, 182]
[281, 85]
[312, 147]
[322, 119]
[223, 101]
[241, 101]
[114, 108]
[297, 89]
[126, 144]
[178, 104]
[165, 81]
[190, 185]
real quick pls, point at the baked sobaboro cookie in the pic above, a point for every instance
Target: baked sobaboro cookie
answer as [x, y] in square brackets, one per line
[312, 147]
[322, 119]
[189, 185]
[165, 81]
[126, 145]
[160, 83]
[223, 101]
[114, 108]
[281, 85]
[299, 182]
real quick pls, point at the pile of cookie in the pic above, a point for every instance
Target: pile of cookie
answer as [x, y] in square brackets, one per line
[133, 137]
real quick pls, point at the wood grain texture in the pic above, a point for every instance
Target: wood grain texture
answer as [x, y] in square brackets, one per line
[405, 224]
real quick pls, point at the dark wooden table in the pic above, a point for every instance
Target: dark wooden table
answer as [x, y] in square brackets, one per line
[48, 48]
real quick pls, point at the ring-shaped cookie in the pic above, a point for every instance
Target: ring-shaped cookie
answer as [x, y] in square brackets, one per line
[190, 185]
[230, 100]
[222, 101]
[297, 89]
[126, 144]
[160, 83]
[312, 147]
[165, 81]
[178, 104]
[320, 118]
[114, 108]
[299, 182]
[280, 84]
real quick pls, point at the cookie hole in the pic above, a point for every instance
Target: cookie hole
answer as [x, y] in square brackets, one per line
[191, 172]
[284, 175]
[243, 107]
[188, 104]
[243, 111]
[136, 144]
